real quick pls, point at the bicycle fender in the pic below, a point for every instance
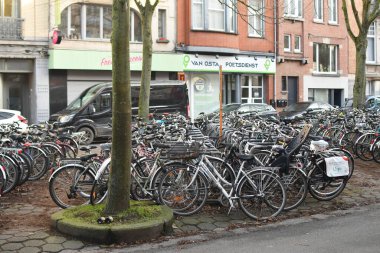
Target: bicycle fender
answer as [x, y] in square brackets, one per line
[104, 165]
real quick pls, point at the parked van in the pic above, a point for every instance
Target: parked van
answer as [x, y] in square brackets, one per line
[91, 111]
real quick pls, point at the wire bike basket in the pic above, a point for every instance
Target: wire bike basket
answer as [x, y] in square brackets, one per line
[184, 150]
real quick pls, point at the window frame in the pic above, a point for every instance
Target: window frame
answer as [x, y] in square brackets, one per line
[298, 9]
[372, 37]
[252, 31]
[163, 20]
[330, 47]
[132, 25]
[284, 81]
[229, 26]
[288, 49]
[331, 11]
[297, 50]
[16, 9]
[316, 12]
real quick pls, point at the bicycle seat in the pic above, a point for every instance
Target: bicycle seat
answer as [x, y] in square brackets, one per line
[87, 157]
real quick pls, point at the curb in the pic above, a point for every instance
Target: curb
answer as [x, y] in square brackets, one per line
[108, 234]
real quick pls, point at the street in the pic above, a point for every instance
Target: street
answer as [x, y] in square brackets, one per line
[358, 231]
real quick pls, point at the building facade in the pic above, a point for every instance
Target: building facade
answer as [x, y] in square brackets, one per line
[373, 59]
[313, 52]
[84, 57]
[24, 79]
[212, 35]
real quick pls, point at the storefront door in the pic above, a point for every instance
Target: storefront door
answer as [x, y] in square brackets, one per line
[252, 89]
[16, 93]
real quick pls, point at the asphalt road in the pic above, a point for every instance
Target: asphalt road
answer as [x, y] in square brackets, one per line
[357, 232]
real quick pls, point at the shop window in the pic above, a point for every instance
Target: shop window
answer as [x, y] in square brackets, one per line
[325, 58]
[256, 18]
[214, 15]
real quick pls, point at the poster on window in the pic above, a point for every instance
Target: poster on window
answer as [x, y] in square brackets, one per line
[206, 93]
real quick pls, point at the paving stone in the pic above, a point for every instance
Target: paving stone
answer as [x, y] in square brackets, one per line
[24, 234]
[11, 232]
[72, 245]
[52, 247]
[34, 243]
[55, 239]
[2, 242]
[222, 224]
[221, 218]
[189, 228]
[17, 239]
[3, 237]
[30, 250]
[39, 235]
[206, 226]
[12, 246]
[206, 219]
[191, 221]
[178, 223]
[24, 212]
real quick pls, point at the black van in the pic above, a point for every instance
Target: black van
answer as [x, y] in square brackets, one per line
[91, 111]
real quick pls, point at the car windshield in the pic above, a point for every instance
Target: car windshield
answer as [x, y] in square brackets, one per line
[228, 108]
[299, 107]
[254, 108]
[84, 98]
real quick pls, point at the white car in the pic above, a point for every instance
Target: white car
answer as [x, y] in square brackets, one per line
[12, 116]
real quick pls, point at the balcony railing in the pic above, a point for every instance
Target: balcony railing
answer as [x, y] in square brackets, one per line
[11, 28]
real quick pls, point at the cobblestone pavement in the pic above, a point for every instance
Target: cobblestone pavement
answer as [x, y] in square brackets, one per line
[362, 189]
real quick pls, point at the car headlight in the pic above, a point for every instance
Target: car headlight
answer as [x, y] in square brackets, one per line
[65, 118]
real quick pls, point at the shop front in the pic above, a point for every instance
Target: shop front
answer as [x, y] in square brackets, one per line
[245, 80]
[72, 71]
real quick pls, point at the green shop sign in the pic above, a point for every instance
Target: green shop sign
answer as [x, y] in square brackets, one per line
[240, 64]
[99, 60]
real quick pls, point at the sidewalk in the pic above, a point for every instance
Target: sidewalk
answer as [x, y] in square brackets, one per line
[32, 234]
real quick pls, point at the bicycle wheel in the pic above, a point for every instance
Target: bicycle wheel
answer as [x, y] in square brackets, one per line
[99, 189]
[322, 187]
[3, 179]
[25, 166]
[363, 146]
[69, 141]
[348, 141]
[40, 162]
[296, 187]
[376, 151]
[12, 172]
[71, 186]
[261, 194]
[183, 189]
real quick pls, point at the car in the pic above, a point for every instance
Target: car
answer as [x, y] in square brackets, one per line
[371, 103]
[291, 112]
[263, 110]
[13, 116]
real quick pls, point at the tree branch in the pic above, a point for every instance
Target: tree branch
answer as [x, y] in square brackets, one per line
[344, 8]
[356, 14]
[139, 5]
[375, 12]
[155, 4]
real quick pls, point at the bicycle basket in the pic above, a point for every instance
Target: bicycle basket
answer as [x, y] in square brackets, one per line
[182, 150]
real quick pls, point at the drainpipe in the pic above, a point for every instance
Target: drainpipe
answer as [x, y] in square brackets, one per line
[275, 49]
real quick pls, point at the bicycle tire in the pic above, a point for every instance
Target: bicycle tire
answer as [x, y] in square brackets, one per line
[376, 151]
[12, 171]
[258, 189]
[296, 187]
[71, 186]
[40, 162]
[183, 189]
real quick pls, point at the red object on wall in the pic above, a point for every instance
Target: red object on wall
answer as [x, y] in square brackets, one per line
[57, 37]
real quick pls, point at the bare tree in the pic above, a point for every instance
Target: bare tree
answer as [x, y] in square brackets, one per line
[119, 181]
[370, 11]
[146, 12]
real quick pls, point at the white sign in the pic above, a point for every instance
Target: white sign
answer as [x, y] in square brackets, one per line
[241, 64]
[337, 166]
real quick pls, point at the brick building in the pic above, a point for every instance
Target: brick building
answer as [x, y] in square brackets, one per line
[313, 52]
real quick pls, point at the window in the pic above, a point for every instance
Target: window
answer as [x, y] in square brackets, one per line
[162, 23]
[284, 83]
[80, 21]
[333, 11]
[318, 10]
[297, 44]
[256, 18]
[287, 42]
[102, 103]
[136, 32]
[325, 58]
[293, 8]
[9, 8]
[214, 15]
[371, 52]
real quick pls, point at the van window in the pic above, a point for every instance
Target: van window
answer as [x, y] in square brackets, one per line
[102, 102]
[162, 95]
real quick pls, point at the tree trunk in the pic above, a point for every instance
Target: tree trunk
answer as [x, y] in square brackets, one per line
[146, 20]
[360, 75]
[119, 180]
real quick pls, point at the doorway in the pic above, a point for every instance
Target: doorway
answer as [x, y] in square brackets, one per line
[292, 89]
[16, 93]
